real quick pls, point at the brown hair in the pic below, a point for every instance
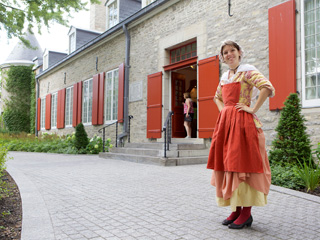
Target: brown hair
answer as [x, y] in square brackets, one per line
[230, 43]
[186, 94]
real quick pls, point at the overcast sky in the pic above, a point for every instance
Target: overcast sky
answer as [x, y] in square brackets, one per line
[56, 39]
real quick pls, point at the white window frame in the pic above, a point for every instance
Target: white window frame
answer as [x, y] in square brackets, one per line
[312, 102]
[69, 107]
[87, 99]
[109, 96]
[72, 42]
[108, 5]
[43, 114]
[54, 108]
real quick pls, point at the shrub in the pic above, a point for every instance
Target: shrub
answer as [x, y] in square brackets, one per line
[81, 137]
[292, 141]
[3, 159]
[285, 176]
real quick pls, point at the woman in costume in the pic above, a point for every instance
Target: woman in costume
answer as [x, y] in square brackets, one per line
[188, 113]
[241, 175]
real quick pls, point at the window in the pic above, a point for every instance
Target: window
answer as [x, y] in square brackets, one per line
[183, 53]
[69, 106]
[111, 94]
[87, 102]
[54, 99]
[43, 114]
[112, 14]
[72, 42]
[45, 61]
[311, 53]
[147, 2]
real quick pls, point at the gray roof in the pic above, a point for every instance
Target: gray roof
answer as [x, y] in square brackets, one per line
[21, 55]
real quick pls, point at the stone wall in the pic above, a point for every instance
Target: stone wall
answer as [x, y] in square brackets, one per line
[204, 20]
[110, 55]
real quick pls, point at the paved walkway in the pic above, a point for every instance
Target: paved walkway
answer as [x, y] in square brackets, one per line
[86, 197]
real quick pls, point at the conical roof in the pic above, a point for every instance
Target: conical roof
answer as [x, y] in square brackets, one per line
[22, 55]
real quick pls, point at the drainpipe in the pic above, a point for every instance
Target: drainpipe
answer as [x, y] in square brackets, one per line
[126, 84]
[37, 96]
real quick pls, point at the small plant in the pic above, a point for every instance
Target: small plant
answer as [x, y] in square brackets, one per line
[317, 151]
[81, 138]
[309, 174]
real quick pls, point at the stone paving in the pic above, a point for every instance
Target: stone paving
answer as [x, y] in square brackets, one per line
[86, 197]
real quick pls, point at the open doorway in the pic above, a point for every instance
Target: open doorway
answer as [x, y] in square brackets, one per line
[183, 80]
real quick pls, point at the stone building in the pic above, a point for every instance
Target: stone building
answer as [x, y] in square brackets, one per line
[143, 62]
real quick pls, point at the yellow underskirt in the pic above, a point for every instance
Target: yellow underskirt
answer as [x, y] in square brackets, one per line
[244, 196]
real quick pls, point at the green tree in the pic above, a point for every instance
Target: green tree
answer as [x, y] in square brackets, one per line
[81, 135]
[16, 114]
[15, 15]
[292, 142]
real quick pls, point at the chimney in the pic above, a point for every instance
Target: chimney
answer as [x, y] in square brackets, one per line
[98, 17]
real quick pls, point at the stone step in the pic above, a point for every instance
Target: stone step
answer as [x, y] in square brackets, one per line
[160, 152]
[144, 152]
[172, 146]
[155, 160]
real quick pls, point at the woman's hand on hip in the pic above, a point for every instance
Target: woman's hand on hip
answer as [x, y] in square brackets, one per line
[243, 107]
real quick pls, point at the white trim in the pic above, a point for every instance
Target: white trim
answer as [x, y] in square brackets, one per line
[107, 13]
[106, 94]
[72, 32]
[313, 102]
[71, 106]
[54, 99]
[82, 114]
[43, 114]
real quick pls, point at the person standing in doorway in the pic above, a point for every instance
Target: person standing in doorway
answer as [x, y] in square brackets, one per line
[188, 113]
[241, 175]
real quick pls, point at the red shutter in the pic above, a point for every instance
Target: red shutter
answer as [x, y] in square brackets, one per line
[121, 93]
[39, 114]
[48, 112]
[101, 99]
[95, 99]
[61, 108]
[79, 104]
[208, 83]
[282, 52]
[75, 104]
[154, 105]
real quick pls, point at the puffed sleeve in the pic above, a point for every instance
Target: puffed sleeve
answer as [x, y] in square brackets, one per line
[256, 79]
[218, 94]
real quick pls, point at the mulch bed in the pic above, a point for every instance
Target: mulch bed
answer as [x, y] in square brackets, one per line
[10, 211]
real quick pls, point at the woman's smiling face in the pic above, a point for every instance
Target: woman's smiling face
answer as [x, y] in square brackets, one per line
[231, 56]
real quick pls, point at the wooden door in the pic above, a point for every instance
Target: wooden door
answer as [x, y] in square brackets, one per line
[154, 105]
[177, 88]
[208, 83]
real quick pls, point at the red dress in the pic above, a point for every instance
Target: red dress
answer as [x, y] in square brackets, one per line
[235, 144]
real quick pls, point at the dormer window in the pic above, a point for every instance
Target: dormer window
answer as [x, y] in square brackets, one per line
[112, 13]
[45, 60]
[72, 42]
[147, 2]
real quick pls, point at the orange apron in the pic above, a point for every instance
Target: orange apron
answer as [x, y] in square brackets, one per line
[235, 144]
